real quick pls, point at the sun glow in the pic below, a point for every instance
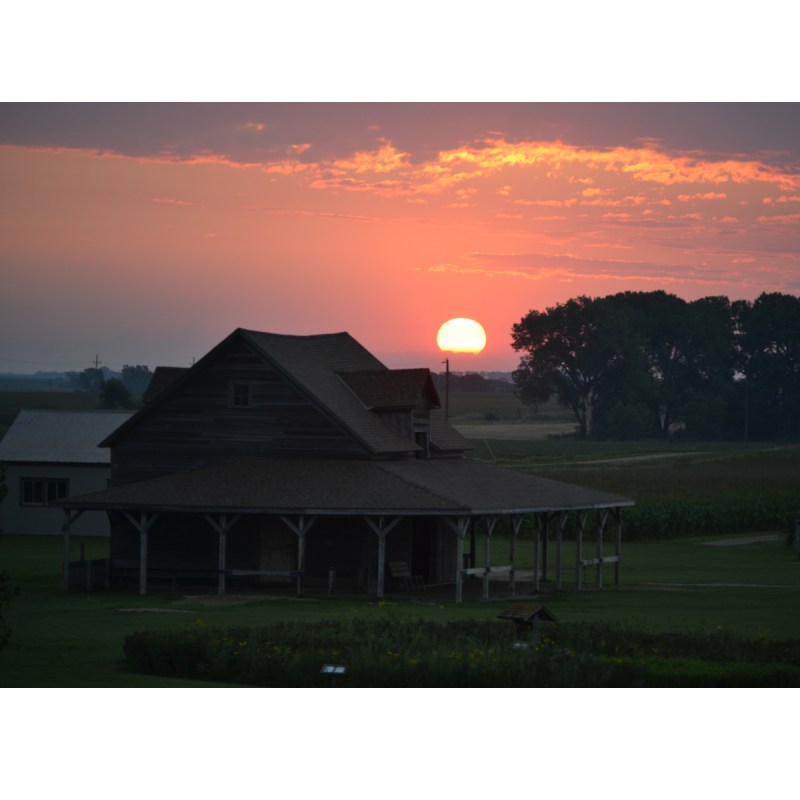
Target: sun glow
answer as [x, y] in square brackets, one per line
[461, 335]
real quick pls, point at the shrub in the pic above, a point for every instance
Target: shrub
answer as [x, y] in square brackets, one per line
[395, 653]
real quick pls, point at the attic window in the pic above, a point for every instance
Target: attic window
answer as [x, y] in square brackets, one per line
[240, 395]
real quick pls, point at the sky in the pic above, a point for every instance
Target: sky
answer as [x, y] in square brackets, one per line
[146, 233]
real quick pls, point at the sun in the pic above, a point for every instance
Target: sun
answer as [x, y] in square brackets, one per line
[461, 335]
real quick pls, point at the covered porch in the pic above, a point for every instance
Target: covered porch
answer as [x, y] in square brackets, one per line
[263, 522]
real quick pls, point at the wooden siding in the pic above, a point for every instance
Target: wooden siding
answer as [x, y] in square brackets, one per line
[198, 425]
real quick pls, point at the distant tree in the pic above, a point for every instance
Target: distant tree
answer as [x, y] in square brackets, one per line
[136, 378]
[577, 351]
[636, 363]
[769, 353]
[89, 380]
[114, 394]
[687, 352]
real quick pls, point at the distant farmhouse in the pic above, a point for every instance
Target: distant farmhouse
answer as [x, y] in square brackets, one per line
[304, 461]
[49, 455]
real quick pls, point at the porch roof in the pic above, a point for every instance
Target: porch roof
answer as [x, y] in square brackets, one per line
[441, 487]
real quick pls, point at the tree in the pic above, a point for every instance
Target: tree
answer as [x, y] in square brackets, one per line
[634, 363]
[136, 378]
[89, 380]
[113, 394]
[577, 351]
[687, 352]
[770, 363]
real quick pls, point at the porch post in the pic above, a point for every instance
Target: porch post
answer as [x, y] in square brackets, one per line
[544, 536]
[460, 526]
[618, 545]
[142, 523]
[516, 525]
[221, 555]
[300, 529]
[143, 556]
[222, 527]
[66, 527]
[381, 530]
[602, 518]
[487, 543]
[579, 549]
[562, 523]
[543, 542]
[539, 522]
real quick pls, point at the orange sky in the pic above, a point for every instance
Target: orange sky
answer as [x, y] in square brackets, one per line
[146, 234]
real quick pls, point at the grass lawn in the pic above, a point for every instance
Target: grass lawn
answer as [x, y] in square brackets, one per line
[75, 640]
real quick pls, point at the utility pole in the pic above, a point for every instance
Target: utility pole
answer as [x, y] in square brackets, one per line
[446, 363]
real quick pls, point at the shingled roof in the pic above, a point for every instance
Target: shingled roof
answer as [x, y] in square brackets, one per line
[449, 487]
[326, 368]
[60, 437]
[392, 389]
[163, 377]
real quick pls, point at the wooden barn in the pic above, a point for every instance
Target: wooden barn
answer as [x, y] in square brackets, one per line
[304, 461]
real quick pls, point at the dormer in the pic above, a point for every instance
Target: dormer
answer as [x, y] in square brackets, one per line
[403, 398]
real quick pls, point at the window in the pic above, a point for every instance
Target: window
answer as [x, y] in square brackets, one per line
[240, 395]
[41, 491]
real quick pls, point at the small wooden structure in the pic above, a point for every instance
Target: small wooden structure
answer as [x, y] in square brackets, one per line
[527, 618]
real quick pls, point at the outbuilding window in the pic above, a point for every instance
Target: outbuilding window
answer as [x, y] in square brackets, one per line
[41, 491]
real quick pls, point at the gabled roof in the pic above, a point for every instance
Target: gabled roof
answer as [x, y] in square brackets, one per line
[162, 378]
[65, 437]
[392, 389]
[446, 487]
[315, 365]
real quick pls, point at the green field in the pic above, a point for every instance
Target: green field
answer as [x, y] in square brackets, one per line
[747, 590]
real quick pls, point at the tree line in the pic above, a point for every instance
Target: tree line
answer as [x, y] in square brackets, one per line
[638, 364]
[116, 390]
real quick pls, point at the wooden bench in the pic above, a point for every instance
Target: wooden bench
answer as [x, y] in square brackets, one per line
[402, 577]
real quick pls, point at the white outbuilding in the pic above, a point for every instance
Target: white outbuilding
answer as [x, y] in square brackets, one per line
[49, 455]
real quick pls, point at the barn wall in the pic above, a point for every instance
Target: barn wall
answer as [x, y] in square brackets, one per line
[16, 518]
[199, 425]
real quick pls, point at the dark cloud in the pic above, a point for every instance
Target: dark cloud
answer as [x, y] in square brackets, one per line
[248, 132]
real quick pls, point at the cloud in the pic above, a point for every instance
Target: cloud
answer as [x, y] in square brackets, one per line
[687, 198]
[571, 268]
[780, 219]
[171, 201]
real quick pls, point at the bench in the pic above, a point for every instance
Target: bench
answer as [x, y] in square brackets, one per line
[402, 577]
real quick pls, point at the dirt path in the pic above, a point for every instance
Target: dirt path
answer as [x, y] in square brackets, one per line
[768, 537]
[519, 431]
